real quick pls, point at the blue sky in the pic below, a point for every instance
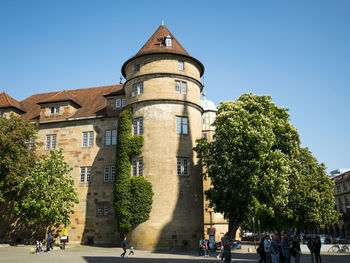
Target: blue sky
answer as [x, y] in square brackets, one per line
[296, 51]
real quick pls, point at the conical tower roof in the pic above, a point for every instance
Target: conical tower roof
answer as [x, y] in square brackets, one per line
[156, 44]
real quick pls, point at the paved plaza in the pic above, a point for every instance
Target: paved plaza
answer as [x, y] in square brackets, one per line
[91, 254]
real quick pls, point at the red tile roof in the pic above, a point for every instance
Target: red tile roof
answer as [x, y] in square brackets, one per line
[6, 101]
[63, 95]
[342, 177]
[156, 43]
[91, 100]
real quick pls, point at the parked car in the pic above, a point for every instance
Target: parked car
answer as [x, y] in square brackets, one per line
[236, 244]
[340, 240]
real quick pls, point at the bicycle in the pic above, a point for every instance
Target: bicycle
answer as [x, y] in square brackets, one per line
[339, 248]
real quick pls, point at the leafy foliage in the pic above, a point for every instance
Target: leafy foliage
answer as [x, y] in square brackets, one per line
[132, 196]
[255, 167]
[49, 193]
[16, 158]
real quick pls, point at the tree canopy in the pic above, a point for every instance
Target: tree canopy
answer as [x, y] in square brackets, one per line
[253, 163]
[37, 187]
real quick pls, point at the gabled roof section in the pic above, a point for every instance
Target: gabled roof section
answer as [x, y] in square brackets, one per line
[157, 43]
[63, 95]
[6, 101]
[91, 100]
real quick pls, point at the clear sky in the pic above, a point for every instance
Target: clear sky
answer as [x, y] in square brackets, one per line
[296, 51]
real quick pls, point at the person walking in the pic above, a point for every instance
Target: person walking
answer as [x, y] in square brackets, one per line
[317, 249]
[311, 247]
[274, 249]
[49, 241]
[226, 242]
[267, 249]
[124, 247]
[201, 244]
[261, 250]
[285, 248]
[131, 251]
[296, 251]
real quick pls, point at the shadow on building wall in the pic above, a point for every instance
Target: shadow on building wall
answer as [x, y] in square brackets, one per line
[186, 225]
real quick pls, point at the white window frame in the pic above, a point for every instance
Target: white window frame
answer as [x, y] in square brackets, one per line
[102, 209]
[110, 137]
[168, 41]
[123, 102]
[137, 126]
[57, 110]
[182, 166]
[109, 174]
[137, 167]
[51, 141]
[30, 143]
[181, 65]
[118, 103]
[180, 87]
[85, 174]
[137, 89]
[88, 139]
[182, 125]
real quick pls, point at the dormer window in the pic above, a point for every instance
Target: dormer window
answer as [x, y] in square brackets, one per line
[55, 110]
[168, 41]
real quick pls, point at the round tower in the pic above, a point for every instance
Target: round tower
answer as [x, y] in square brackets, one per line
[163, 87]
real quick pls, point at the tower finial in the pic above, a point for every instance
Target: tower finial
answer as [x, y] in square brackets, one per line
[121, 79]
[162, 23]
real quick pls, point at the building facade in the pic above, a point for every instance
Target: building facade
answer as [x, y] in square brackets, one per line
[162, 85]
[342, 201]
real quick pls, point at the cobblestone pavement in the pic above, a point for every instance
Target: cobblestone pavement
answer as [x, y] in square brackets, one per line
[89, 254]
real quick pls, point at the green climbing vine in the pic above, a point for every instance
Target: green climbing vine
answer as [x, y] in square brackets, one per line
[132, 195]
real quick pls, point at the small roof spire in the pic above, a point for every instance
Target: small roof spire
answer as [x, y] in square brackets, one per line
[162, 23]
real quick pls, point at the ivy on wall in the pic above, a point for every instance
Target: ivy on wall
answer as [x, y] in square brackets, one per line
[132, 195]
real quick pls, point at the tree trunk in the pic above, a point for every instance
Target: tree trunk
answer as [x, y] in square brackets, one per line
[233, 225]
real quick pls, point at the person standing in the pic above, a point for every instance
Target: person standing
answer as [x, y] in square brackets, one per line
[296, 251]
[124, 247]
[274, 250]
[226, 242]
[285, 248]
[317, 249]
[201, 243]
[267, 249]
[261, 250]
[311, 246]
[49, 241]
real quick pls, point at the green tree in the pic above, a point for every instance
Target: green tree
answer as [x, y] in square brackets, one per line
[132, 195]
[250, 161]
[47, 193]
[312, 199]
[16, 157]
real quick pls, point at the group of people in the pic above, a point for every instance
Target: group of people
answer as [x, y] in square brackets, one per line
[203, 247]
[49, 245]
[283, 249]
[132, 252]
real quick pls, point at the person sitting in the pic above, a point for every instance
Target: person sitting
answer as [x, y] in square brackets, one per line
[38, 247]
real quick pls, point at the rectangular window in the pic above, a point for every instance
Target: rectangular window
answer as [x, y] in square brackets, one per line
[88, 139]
[204, 136]
[137, 167]
[118, 103]
[180, 86]
[57, 110]
[338, 188]
[182, 166]
[137, 67]
[50, 142]
[138, 89]
[123, 102]
[102, 209]
[183, 87]
[181, 125]
[181, 65]
[177, 86]
[2, 114]
[137, 126]
[85, 174]
[111, 137]
[52, 110]
[345, 187]
[109, 174]
[30, 143]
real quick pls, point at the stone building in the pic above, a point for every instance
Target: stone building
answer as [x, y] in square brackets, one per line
[163, 88]
[342, 201]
